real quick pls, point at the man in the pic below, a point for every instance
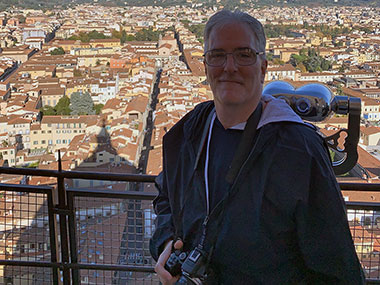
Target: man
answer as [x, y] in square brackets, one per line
[274, 217]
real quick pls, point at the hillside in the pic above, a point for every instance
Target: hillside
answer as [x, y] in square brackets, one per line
[230, 4]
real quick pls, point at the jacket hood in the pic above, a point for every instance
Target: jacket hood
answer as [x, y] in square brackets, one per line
[277, 110]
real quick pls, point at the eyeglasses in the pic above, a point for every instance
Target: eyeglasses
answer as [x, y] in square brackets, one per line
[243, 56]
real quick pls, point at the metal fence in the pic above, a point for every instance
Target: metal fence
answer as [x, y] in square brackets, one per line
[59, 234]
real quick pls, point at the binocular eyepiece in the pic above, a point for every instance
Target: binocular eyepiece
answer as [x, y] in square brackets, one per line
[312, 102]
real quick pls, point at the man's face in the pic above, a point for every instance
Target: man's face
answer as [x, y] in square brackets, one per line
[232, 84]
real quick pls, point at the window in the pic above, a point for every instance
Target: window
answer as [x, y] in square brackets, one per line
[43, 142]
[50, 142]
[64, 141]
[35, 132]
[35, 142]
[49, 132]
[42, 132]
[49, 125]
[58, 141]
[68, 126]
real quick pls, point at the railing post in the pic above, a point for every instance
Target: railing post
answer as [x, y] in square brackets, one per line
[73, 237]
[62, 205]
[51, 200]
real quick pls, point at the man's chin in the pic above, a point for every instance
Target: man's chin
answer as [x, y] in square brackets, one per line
[230, 100]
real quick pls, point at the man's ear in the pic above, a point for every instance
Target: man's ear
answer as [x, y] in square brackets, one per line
[205, 65]
[264, 65]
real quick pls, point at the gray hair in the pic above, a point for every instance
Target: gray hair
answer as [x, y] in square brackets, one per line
[225, 16]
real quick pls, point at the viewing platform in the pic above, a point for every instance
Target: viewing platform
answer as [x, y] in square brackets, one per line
[58, 234]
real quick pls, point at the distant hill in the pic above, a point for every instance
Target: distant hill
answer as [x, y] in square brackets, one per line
[230, 4]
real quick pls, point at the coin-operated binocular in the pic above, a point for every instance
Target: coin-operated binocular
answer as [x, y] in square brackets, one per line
[315, 103]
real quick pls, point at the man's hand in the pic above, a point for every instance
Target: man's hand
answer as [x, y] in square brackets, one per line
[165, 277]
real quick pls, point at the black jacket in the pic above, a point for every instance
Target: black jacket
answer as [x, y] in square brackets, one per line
[286, 224]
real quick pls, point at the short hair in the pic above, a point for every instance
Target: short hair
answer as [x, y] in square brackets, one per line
[225, 16]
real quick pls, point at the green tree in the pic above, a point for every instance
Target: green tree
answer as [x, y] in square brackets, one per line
[48, 111]
[63, 106]
[278, 61]
[21, 19]
[130, 38]
[77, 73]
[57, 51]
[98, 108]
[269, 56]
[123, 37]
[310, 61]
[86, 37]
[198, 30]
[81, 104]
[147, 35]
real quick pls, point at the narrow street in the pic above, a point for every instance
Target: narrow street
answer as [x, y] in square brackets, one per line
[143, 161]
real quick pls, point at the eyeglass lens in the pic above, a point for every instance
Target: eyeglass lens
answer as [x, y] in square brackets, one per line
[241, 57]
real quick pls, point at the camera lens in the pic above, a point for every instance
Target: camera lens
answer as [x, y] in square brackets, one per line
[303, 106]
[182, 256]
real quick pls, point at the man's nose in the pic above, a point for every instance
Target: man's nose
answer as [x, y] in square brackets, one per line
[230, 64]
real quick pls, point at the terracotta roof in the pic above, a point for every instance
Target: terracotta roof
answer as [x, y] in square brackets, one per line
[369, 130]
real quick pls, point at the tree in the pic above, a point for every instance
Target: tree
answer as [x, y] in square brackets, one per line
[98, 108]
[48, 110]
[86, 37]
[63, 106]
[77, 73]
[123, 38]
[198, 30]
[310, 61]
[269, 56]
[57, 51]
[278, 61]
[81, 104]
[147, 35]
[21, 19]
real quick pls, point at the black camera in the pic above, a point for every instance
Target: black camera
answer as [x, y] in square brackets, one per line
[195, 264]
[175, 261]
[191, 267]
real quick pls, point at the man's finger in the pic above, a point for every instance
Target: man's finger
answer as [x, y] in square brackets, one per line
[163, 274]
[178, 244]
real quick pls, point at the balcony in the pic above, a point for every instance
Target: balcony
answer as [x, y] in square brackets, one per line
[58, 234]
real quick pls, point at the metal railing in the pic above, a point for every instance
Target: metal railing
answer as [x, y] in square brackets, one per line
[62, 235]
